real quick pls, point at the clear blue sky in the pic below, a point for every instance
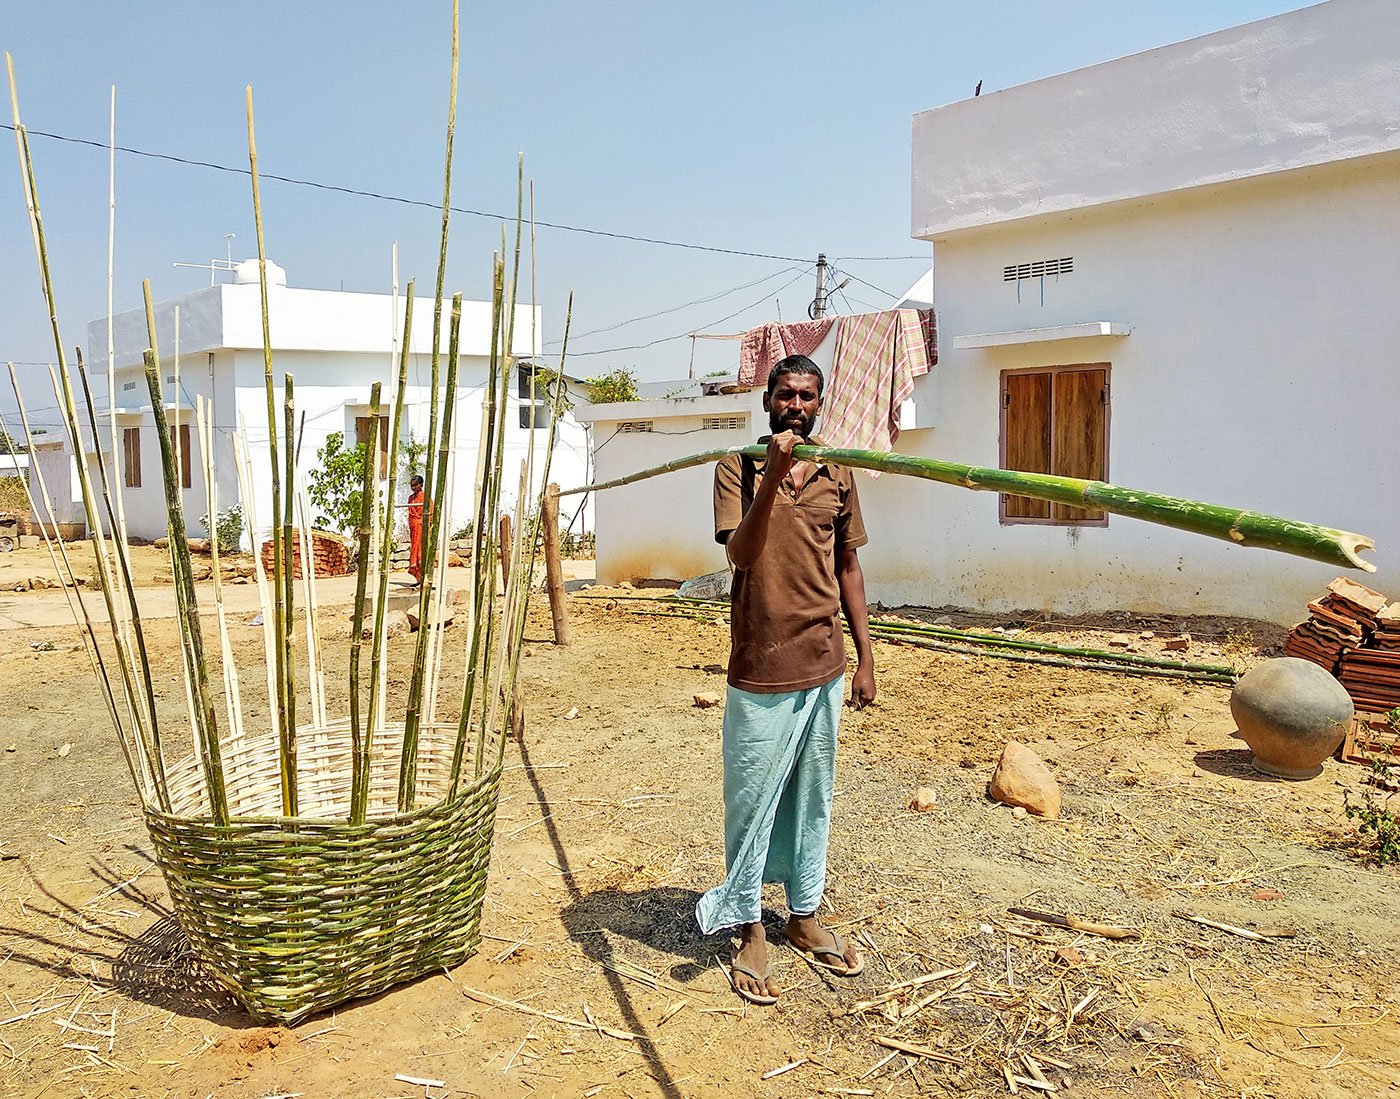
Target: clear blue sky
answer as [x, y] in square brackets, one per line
[773, 128]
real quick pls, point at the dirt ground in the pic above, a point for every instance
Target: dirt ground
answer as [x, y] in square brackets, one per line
[609, 827]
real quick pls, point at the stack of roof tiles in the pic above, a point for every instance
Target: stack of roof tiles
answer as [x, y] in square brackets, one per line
[1354, 632]
[330, 552]
[1338, 623]
[1371, 674]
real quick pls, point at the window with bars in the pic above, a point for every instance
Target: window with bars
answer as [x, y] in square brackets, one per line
[131, 457]
[628, 426]
[1055, 420]
[180, 444]
[364, 432]
[723, 423]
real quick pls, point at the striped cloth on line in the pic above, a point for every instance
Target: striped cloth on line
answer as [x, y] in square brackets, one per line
[878, 356]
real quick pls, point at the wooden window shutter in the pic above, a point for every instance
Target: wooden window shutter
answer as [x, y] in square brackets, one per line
[362, 434]
[1026, 437]
[1079, 435]
[182, 447]
[131, 456]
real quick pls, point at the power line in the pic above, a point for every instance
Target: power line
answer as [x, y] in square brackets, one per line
[360, 193]
[675, 308]
[683, 335]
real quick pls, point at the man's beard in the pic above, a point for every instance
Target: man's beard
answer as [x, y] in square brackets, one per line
[800, 424]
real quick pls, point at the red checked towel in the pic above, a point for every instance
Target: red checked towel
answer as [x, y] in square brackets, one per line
[765, 345]
[878, 356]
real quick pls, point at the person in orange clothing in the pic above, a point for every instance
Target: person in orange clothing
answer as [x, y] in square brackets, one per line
[417, 503]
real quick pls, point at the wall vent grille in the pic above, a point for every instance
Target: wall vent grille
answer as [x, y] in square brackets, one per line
[723, 423]
[1037, 269]
[127, 387]
[630, 426]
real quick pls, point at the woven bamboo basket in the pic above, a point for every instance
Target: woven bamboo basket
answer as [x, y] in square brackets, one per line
[295, 915]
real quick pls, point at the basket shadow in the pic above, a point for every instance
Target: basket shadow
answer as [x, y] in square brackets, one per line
[155, 967]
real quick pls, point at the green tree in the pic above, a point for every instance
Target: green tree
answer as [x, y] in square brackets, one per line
[615, 385]
[334, 483]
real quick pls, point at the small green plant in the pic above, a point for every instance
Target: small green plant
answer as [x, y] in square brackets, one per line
[333, 483]
[615, 385]
[412, 454]
[1373, 814]
[1239, 644]
[227, 528]
[1162, 714]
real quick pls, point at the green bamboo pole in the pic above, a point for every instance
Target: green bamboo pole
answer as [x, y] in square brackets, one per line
[1246, 528]
[288, 575]
[482, 568]
[148, 730]
[360, 796]
[432, 527]
[442, 249]
[206, 720]
[359, 761]
[278, 706]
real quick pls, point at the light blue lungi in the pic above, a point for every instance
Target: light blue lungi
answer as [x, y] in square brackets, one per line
[779, 772]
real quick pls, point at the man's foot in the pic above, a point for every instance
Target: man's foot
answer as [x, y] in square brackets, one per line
[823, 947]
[749, 971]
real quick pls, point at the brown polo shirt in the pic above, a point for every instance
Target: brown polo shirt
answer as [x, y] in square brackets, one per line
[785, 625]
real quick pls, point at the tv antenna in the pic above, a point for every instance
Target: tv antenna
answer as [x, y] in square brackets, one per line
[215, 265]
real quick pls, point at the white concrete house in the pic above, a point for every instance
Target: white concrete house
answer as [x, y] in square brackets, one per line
[335, 345]
[1177, 271]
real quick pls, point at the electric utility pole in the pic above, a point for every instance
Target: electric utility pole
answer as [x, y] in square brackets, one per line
[817, 310]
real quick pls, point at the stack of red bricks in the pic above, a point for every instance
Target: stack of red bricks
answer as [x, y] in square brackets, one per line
[1338, 623]
[329, 552]
[1371, 674]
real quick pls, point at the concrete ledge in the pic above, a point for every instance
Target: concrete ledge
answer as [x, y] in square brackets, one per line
[1084, 330]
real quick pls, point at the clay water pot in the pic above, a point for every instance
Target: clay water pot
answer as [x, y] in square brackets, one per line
[1292, 714]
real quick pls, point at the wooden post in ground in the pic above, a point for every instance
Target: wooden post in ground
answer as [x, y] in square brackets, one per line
[554, 569]
[505, 550]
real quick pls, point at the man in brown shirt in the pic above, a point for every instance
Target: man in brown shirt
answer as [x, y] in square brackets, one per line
[791, 530]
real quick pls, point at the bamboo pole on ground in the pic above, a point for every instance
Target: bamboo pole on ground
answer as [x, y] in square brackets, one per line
[554, 569]
[1246, 528]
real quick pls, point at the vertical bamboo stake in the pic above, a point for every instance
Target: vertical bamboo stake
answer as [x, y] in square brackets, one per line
[378, 704]
[118, 535]
[243, 467]
[288, 577]
[316, 676]
[282, 706]
[554, 570]
[359, 761]
[193, 634]
[132, 750]
[147, 729]
[232, 696]
[432, 526]
[507, 548]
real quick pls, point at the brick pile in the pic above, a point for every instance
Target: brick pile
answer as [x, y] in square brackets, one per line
[1371, 674]
[329, 552]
